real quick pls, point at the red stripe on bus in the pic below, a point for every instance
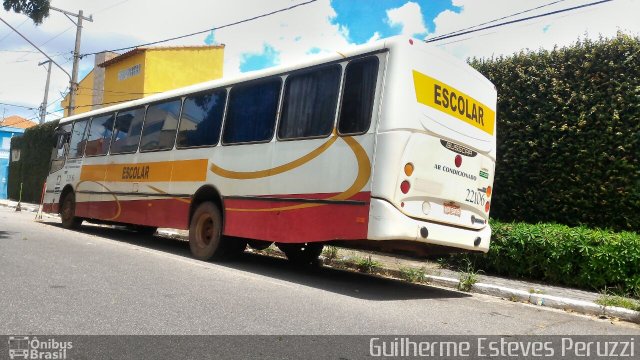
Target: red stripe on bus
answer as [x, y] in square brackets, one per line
[318, 223]
[168, 213]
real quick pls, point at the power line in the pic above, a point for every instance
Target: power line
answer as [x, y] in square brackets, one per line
[454, 34]
[48, 41]
[110, 6]
[120, 92]
[32, 44]
[16, 105]
[9, 33]
[501, 18]
[207, 30]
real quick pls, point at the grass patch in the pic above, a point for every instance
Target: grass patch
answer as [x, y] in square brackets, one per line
[618, 301]
[330, 253]
[368, 265]
[413, 275]
[468, 276]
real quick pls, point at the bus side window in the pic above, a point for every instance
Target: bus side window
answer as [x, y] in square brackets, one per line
[309, 106]
[201, 119]
[99, 136]
[160, 124]
[358, 95]
[77, 142]
[126, 133]
[59, 153]
[251, 114]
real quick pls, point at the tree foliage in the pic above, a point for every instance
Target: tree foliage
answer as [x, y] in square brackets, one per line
[569, 134]
[37, 10]
[33, 167]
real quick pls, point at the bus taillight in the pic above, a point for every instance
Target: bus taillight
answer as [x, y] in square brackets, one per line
[405, 186]
[408, 169]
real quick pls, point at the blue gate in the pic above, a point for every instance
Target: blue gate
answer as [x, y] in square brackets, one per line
[4, 177]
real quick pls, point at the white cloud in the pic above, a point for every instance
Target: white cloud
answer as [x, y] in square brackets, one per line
[375, 37]
[546, 32]
[408, 17]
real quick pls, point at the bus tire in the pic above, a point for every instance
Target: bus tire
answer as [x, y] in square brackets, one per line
[68, 212]
[302, 254]
[205, 235]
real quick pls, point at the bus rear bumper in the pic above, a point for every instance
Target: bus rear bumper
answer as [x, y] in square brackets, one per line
[387, 223]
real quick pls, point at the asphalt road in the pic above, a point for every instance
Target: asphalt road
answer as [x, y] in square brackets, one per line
[110, 281]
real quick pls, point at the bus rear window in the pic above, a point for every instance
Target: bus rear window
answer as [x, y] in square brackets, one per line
[358, 95]
[252, 110]
[126, 134]
[160, 126]
[309, 105]
[201, 119]
[99, 136]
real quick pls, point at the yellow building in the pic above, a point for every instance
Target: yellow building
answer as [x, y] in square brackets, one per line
[143, 72]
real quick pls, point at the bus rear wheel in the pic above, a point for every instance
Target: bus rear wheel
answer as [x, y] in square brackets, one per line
[205, 235]
[68, 212]
[302, 254]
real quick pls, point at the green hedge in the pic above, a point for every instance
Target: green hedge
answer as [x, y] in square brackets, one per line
[32, 169]
[573, 256]
[569, 134]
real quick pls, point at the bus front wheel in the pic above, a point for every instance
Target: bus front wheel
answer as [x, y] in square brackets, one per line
[302, 254]
[205, 235]
[68, 212]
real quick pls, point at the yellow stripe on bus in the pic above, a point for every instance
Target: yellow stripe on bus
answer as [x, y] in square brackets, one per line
[449, 100]
[162, 171]
[245, 175]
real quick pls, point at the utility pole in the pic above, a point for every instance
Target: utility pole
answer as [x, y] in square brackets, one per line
[43, 107]
[73, 84]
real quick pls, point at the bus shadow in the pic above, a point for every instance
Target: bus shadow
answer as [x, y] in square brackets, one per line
[344, 282]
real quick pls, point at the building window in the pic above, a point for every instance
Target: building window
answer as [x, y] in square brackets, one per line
[99, 136]
[251, 115]
[129, 72]
[126, 134]
[358, 95]
[201, 119]
[160, 124]
[77, 142]
[309, 105]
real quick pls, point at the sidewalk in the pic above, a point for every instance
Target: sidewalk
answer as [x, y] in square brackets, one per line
[557, 297]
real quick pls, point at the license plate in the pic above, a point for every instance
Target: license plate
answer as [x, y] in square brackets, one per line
[451, 208]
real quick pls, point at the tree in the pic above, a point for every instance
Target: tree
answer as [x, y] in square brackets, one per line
[37, 10]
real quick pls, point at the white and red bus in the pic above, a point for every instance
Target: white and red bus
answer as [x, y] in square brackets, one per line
[388, 146]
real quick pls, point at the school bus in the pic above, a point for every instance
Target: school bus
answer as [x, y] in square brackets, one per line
[389, 145]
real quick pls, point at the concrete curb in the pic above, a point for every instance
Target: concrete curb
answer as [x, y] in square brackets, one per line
[551, 301]
[555, 302]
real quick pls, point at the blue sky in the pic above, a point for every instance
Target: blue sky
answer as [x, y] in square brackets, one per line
[363, 19]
